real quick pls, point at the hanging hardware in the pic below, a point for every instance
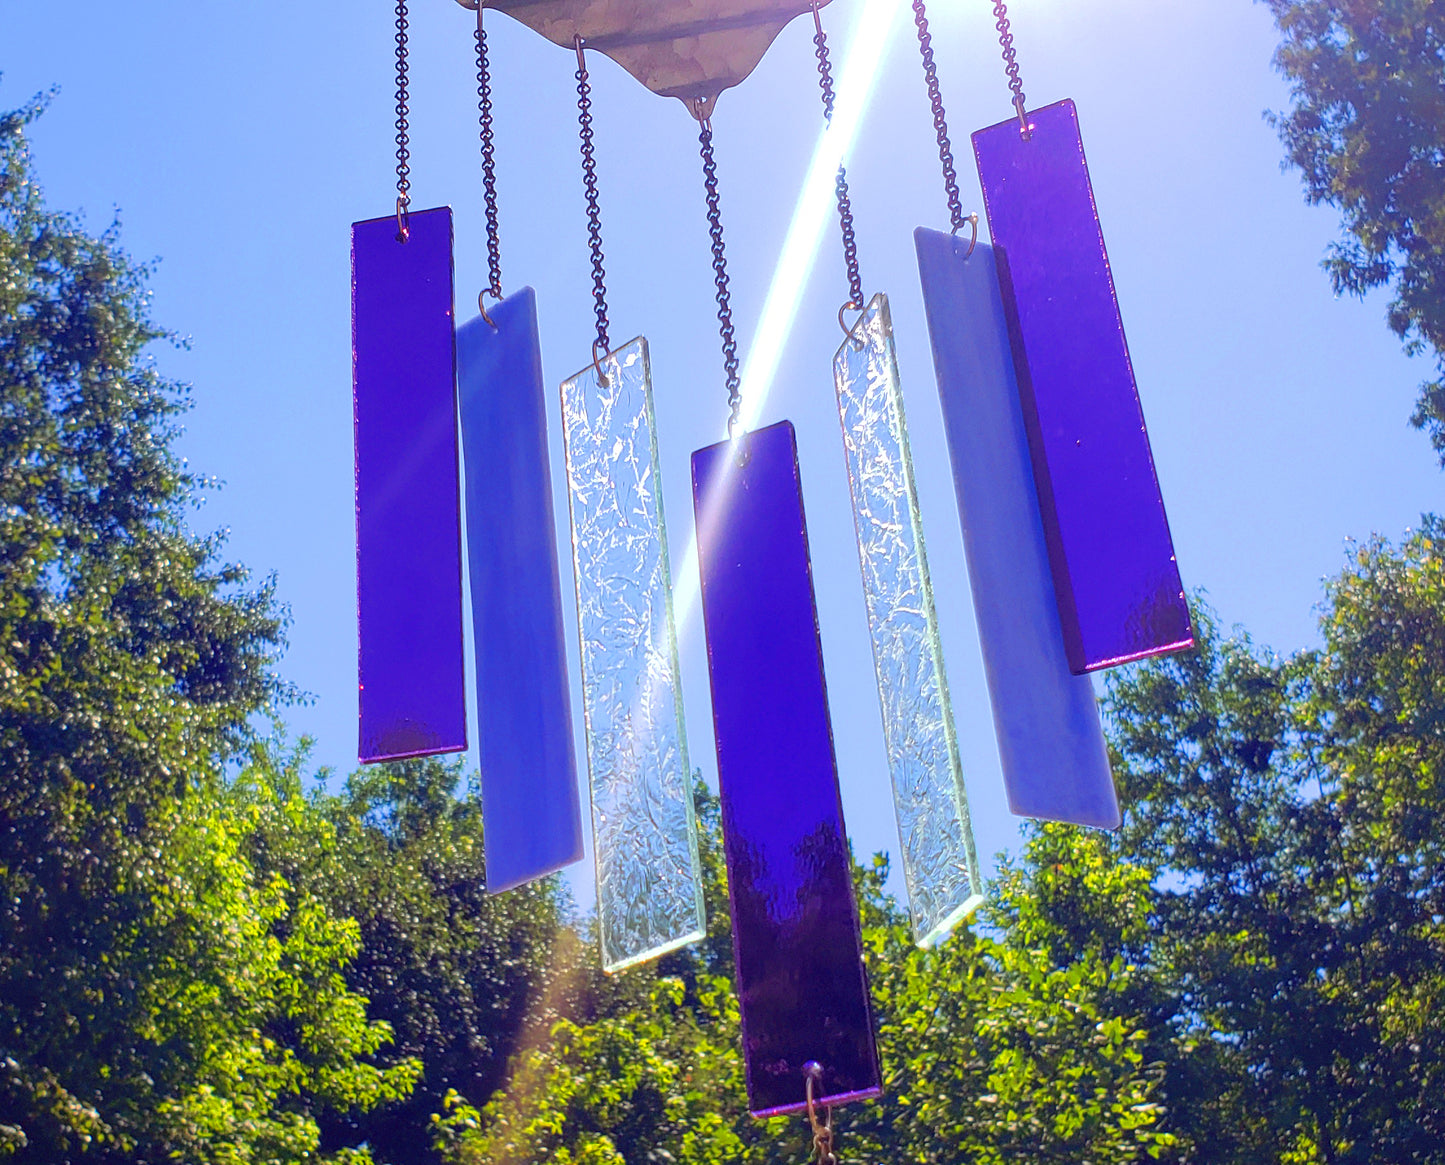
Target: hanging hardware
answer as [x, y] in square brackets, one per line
[489, 171]
[956, 217]
[594, 212]
[403, 148]
[1011, 66]
[720, 277]
[822, 1129]
[845, 207]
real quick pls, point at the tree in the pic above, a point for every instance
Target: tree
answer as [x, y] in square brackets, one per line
[1288, 813]
[459, 976]
[161, 997]
[1367, 131]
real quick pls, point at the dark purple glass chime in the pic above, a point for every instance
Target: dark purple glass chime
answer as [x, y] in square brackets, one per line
[410, 685]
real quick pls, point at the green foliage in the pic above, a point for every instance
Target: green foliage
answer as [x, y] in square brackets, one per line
[162, 996]
[1367, 131]
[456, 974]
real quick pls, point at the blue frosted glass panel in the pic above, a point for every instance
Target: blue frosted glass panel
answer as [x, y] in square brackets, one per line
[1117, 582]
[530, 809]
[649, 892]
[940, 863]
[411, 690]
[801, 983]
[1050, 743]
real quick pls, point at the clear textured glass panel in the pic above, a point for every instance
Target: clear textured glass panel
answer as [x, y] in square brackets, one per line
[802, 989]
[1050, 742]
[940, 863]
[649, 893]
[530, 808]
[411, 689]
[1117, 582]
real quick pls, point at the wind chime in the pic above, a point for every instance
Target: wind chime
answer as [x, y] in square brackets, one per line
[1068, 549]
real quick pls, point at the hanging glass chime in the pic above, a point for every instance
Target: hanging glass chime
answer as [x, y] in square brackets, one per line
[802, 989]
[940, 862]
[649, 889]
[530, 809]
[1046, 719]
[1116, 578]
[411, 690]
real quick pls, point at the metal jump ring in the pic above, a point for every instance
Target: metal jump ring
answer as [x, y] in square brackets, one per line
[403, 219]
[851, 333]
[482, 296]
[972, 220]
[597, 366]
[822, 1130]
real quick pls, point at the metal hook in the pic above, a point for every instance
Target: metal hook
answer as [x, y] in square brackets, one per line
[482, 299]
[403, 219]
[972, 220]
[1026, 130]
[822, 1130]
[851, 333]
[597, 366]
[577, 44]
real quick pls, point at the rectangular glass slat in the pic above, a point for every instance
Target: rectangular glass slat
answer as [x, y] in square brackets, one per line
[649, 890]
[1050, 742]
[801, 982]
[940, 862]
[530, 808]
[411, 690]
[1120, 597]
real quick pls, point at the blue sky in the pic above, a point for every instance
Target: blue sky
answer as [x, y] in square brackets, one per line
[238, 142]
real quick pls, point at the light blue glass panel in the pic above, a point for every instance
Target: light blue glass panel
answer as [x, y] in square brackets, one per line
[649, 893]
[940, 863]
[1050, 743]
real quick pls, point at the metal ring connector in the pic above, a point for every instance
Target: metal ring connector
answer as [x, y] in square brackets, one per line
[1026, 130]
[482, 305]
[403, 219]
[822, 1129]
[851, 333]
[972, 220]
[597, 365]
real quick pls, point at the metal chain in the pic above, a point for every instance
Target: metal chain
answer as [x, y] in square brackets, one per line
[1010, 61]
[594, 213]
[489, 161]
[822, 1129]
[940, 122]
[720, 278]
[403, 151]
[845, 206]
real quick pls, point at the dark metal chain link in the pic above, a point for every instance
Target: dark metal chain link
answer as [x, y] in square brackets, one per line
[1010, 61]
[403, 151]
[845, 205]
[940, 121]
[720, 278]
[489, 161]
[594, 213]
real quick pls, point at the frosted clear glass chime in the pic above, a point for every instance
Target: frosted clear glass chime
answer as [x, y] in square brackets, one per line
[940, 862]
[649, 895]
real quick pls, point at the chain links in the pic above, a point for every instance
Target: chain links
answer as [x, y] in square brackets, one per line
[403, 148]
[845, 206]
[489, 161]
[594, 213]
[1010, 62]
[956, 216]
[720, 278]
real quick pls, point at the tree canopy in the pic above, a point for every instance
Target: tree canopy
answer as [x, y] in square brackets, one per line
[1367, 132]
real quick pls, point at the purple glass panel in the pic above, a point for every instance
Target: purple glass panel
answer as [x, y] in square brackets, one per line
[530, 807]
[1118, 585]
[801, 983]
[1050, 741]
[411, 693]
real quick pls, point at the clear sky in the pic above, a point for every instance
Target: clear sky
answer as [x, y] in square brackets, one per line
[238, 142]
